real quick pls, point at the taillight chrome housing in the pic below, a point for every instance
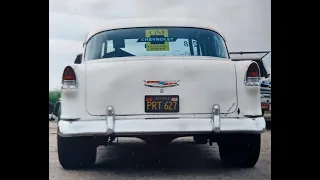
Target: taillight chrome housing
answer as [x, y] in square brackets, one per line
[253, 75]
[69, 80]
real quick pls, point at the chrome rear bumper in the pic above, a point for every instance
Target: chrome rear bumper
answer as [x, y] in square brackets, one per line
[111, 126]
[137, 127]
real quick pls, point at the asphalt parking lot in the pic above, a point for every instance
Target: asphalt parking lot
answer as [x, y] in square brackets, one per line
[132, 159]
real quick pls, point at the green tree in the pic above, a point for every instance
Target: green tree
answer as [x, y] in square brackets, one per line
[54, 96]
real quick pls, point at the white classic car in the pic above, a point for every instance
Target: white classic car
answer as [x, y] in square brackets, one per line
[157, 80]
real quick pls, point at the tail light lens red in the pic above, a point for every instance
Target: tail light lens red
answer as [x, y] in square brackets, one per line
[265, 107]
[69, 79]
[253, 75]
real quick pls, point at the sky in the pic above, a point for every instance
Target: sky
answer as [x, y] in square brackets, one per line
[246, 24]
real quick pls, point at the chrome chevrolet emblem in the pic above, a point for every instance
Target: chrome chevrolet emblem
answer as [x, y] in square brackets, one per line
[161, 84]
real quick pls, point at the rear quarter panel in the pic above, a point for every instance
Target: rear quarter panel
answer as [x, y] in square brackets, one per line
[249, 99]
[73, 100]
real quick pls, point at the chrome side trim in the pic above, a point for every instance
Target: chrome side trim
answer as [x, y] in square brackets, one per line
[70, 119]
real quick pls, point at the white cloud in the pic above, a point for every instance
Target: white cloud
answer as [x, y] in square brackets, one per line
[61, 46]
[61, 53]
[246, 24]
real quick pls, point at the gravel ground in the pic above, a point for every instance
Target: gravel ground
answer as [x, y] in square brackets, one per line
[132, 159]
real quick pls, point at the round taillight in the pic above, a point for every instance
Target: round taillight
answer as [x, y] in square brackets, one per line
[69, 78]
[253, 75]
[69, 74]
[253, 70]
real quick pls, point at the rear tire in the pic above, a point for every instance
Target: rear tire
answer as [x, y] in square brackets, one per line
[75, 153]
[241, 150]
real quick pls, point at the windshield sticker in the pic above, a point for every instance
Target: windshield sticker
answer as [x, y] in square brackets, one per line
[157, 40]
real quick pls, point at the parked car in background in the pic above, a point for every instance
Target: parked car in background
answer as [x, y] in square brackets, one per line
[55, 113]
[266, 100]
[50, 111]
[157, 80]
[266, 104]
[50, 107]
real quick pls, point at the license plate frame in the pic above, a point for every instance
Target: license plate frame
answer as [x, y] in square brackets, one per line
[161, 103]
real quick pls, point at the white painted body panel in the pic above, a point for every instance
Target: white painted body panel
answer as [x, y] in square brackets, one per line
[249, 100]
[120, 83]
[192, 120]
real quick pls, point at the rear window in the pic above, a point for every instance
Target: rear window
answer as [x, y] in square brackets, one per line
[155, 41]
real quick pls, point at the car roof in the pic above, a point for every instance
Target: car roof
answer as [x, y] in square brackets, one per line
[147, 22]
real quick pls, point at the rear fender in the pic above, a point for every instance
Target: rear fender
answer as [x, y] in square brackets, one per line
[73, 100]
[249, 100]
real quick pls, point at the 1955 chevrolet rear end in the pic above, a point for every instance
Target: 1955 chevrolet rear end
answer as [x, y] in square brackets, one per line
[159, 80]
